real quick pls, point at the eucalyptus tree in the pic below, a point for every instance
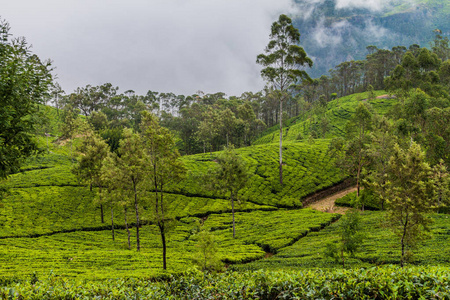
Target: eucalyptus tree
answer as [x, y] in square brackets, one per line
[164, 168]
[282, 65]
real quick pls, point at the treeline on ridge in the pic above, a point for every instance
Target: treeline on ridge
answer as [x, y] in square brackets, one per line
[207, 122]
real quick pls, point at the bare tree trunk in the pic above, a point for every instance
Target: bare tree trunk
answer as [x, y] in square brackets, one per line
[281, 142]
[232, 210]
[403, 242]
[101, 205]
[112, 222]
[163, 240]
[138, 242]
[126, 226]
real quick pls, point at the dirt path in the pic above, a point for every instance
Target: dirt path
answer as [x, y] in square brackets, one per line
[327, 204]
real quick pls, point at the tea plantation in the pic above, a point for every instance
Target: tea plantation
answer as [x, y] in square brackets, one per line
[54, 245]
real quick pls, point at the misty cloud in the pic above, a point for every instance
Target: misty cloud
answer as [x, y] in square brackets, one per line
[163, 45]
[326, 36]
[374, 5]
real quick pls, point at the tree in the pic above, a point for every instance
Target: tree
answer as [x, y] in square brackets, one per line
[441, 182]
[24, 83]
[282, 65]
[349, 240]
[231, 175]
[115, 194]
[164, 168]
[128, 172]
[93, 150]
[352, 153]
[409, 196]
[208, 128]
[207, 259]
[380, 150]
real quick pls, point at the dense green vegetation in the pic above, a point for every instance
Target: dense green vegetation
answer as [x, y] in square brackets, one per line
[109, 195]
[371, 283]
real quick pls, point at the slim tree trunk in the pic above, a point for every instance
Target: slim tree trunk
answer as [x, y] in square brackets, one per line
[402, 260]
[163, 240]
[232, 211]
[138, 243]
[101, 205]
[112, 222]
[281, 142]
[126, 226]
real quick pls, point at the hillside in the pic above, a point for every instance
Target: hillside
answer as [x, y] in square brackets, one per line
[337, 112]
[336, 33]
[50, 223]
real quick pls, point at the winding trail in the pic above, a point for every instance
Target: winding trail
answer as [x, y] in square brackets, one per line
[327, 204]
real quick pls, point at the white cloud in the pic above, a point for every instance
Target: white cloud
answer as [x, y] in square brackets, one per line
[329, 36]
[375, 5]
[163, 45]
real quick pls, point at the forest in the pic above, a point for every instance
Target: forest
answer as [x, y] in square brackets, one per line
[112, 195]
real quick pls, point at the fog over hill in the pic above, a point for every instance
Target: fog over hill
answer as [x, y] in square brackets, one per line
[183, 46]
[334, 31]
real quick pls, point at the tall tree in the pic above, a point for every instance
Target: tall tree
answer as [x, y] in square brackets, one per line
[128, 172]
[380, 150]
[93, 150]
[165, 168]
[230, 176]
[24, 83]
[282, 63]
[352, 153]
[409, 196]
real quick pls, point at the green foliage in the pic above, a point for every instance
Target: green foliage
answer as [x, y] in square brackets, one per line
[24, 82]
[271, 230]
[230, 175]
[379, 247]
[283, 67]
[207, 258]
[338, 113]
[374, 283]
[409, 198]
[350, 238]
[308, 168]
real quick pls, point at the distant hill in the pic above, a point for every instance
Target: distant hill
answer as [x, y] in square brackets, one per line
[333, 31]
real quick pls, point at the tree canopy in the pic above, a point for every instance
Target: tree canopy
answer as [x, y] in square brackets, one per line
[25, 81]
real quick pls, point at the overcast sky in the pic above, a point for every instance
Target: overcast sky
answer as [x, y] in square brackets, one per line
[179, 46]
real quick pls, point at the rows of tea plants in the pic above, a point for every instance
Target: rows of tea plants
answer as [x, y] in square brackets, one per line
[271, 230]
[307, 169]
[371, 283]
[338, 112]
[93, 254]
[379, 247]
[44, 210]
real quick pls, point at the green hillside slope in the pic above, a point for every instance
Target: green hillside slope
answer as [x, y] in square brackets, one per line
[338, 112]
